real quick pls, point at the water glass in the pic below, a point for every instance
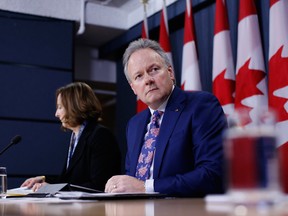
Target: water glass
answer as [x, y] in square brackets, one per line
[3, 182]
[252, 164]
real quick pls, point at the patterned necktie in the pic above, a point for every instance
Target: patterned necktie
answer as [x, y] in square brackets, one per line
[148, 148]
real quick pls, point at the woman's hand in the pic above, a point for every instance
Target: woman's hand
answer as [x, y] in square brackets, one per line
[36, 186]
[35, 183]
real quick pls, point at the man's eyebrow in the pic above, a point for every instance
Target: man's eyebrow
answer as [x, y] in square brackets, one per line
[153, 65]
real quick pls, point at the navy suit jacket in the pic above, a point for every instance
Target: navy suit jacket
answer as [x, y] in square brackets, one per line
[96, 159]
[189, 151]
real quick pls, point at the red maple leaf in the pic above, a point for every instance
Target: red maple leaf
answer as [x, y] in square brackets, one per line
[224, 89]
[278, 78]
[246, 85]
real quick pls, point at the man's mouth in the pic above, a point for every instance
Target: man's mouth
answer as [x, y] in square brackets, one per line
[151, 90]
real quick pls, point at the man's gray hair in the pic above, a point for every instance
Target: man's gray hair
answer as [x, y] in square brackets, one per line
[142, 44]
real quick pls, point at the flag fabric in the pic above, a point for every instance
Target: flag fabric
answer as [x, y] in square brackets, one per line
[223, 65]
[278, 78]
[145, 31]
[251, 84]
[164, 33]
[190, 75]
[145, 34]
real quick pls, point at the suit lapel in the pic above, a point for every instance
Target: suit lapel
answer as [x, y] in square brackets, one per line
[173, 110]
[79, 148]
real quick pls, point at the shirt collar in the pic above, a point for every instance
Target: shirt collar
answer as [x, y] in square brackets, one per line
[82, 127]
[162, 107]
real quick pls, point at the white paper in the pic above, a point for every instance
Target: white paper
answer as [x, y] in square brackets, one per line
[19, 191]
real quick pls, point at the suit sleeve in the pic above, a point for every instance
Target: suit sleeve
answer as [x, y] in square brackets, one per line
[104, 158]
[204, 123]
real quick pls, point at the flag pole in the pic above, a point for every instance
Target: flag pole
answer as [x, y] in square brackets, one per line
[144, 2]
[145, 32]
[140, 106]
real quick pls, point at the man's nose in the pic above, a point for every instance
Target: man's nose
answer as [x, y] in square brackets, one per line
[148, 78]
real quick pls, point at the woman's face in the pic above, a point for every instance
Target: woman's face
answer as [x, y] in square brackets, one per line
[60, 112]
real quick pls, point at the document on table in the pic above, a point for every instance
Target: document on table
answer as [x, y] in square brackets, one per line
[106, 196]
[21, 191]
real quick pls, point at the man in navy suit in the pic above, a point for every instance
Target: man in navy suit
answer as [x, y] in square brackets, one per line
[188, 156]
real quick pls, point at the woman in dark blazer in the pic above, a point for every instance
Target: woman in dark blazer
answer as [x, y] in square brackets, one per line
[93, 155]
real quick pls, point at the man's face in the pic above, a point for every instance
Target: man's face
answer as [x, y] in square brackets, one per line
[151, 80]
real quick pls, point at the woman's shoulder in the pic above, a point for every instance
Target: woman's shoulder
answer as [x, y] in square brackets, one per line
[97, 126]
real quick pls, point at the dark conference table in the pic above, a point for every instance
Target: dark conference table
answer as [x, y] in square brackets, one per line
[139, 207]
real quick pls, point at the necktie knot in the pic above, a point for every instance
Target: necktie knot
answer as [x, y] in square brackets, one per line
[157, 114]
[155, 118]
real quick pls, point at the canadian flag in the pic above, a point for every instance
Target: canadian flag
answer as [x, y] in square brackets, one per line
[278, 78]
[223, 66]
[164, 33]
[190, 77]
[145, 34]
[251, 86]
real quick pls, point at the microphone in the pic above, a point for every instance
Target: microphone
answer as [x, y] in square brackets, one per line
[13, 141]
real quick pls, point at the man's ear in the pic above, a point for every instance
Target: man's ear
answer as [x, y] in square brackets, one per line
[171, 74]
